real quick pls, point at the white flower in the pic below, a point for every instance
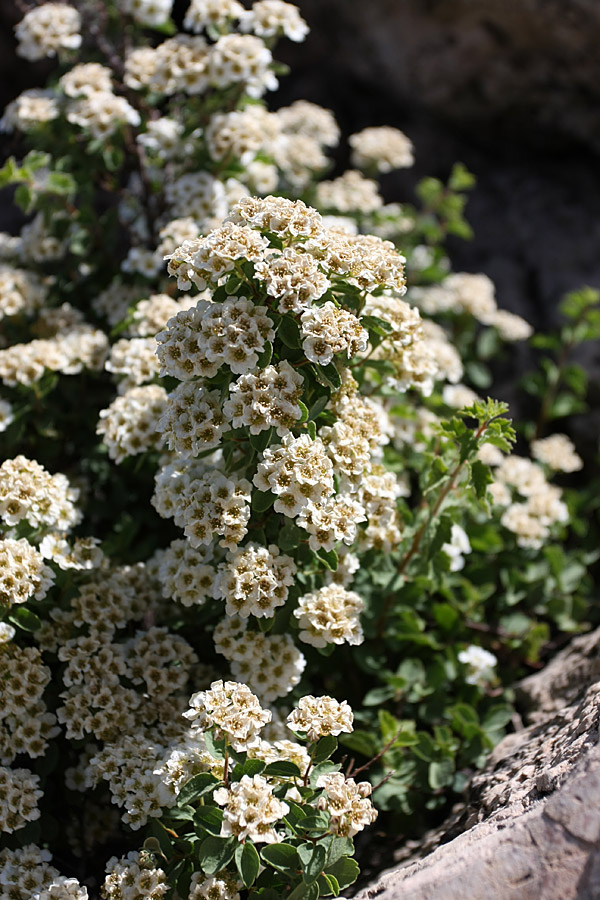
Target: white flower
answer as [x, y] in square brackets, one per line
[321, 716]
[480, 662]
[251, 810]
[457, 547]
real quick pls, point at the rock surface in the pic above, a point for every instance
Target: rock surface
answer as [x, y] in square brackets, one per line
[531, 828]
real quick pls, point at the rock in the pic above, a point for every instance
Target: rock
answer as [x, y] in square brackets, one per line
[531, 827]
[562, 678]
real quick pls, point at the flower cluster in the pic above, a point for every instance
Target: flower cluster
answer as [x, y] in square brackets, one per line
[28, 875]
[533, 505]
[133, 877]
[265, 399]
[348, 803]
[232, 708]
[128, 426]
[251, 809]
[19, 794]
[256, 370]
[383, 148]
[254, 581]
[320, 716]
[28, 492]
[330, 616]
[203, 502]
[270, 664]
[47, 30]
[200, 340]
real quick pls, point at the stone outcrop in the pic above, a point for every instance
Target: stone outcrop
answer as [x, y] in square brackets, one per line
[531, 828]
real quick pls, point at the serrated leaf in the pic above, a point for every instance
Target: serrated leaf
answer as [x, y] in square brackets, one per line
[480, 477]
[441, 535]
[247, 862]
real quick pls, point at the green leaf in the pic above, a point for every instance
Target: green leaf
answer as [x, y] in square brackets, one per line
[24, 619]
[282, 857]
[425, 748]
[345, 871]
[317, 407]
[363, 742]
[215, 748]
[304, 892]
[445, 615]
[312, 858]
[247, 862]
[319, 822]
[328, 376]
[250, 767]
[324, 768]
[215, 853]
[338, 848]
[282, 769]
[329, 558]
[262, 500]
[440, 773]
[312, 430]
[289, 333]
[266, 356]
[210, 818]
[185, 878]
[180, 814]
[261, 441]
[323, 749]
[460, 178]
[328, 885]
[481, 477]
[60, 183]
[290, 537]
[304, 413]
[441, 535]
[196, 787]
[377, 325]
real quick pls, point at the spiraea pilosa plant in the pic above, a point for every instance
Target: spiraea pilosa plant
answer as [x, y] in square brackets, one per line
[248, 506]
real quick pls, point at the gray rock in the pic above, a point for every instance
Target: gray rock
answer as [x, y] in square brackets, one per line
[531, 829]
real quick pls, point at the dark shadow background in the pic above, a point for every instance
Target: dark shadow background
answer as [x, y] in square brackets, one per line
[509, 87]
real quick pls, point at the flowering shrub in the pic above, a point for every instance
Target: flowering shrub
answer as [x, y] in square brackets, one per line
[252, 504]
